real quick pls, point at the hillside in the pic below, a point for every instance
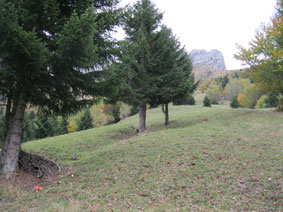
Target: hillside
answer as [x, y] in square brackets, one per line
[207, 159]
[209, 73]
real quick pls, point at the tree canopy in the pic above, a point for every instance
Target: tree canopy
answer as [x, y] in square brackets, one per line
[172, 79]
[50, 56]
[136, 61]
[265, 54]
[152, 68]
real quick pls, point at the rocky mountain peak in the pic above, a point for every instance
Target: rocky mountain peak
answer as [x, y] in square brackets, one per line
[203, 59]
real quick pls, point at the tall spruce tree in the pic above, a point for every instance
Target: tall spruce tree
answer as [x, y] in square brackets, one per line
[172, 79]
[49, 51]
[137, 57]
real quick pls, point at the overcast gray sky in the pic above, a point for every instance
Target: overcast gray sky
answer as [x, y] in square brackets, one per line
[215, 24]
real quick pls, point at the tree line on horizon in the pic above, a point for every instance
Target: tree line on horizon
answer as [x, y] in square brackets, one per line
[240, 90]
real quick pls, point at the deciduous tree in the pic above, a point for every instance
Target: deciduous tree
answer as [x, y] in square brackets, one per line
[265, 54]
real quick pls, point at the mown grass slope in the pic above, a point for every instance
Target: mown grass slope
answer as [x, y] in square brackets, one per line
[207, 159]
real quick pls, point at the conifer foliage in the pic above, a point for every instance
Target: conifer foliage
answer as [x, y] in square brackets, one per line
[234, 103]
[206, 102]
[86, 121]
[153, 67]
[172, 79]
[137, 56]
[48, 53]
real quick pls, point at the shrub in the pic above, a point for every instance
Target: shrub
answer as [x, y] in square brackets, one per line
[202, 87]
[101, 119]
[234, 87]
[234, 103]
[241, 99]
[214, 93]
[271, 100]
[261, 102]
[72, 126]
[112, 110]
[253, 94]
[250, 96]
[85, 121]
[190, 101]
[206, 102]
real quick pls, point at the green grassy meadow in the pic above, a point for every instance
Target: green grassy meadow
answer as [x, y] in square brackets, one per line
[207, 159]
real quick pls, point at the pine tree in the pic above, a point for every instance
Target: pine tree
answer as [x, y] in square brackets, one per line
[206, 102]
[49, 51]
[172, 78]
[137, 57]
[86, 121]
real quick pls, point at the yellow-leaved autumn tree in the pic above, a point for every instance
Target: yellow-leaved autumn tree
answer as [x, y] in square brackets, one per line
[72, 126]
[242, 99]
[265, 55]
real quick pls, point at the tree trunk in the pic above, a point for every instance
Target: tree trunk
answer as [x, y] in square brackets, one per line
[162, 108]
[166, 114]
[6, 123]
[142, 118]
[12, 143]
[280, 103]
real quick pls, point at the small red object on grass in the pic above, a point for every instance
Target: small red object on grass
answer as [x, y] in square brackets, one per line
[38, 188]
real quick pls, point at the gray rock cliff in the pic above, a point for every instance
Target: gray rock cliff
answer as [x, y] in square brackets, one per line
[203, 59]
